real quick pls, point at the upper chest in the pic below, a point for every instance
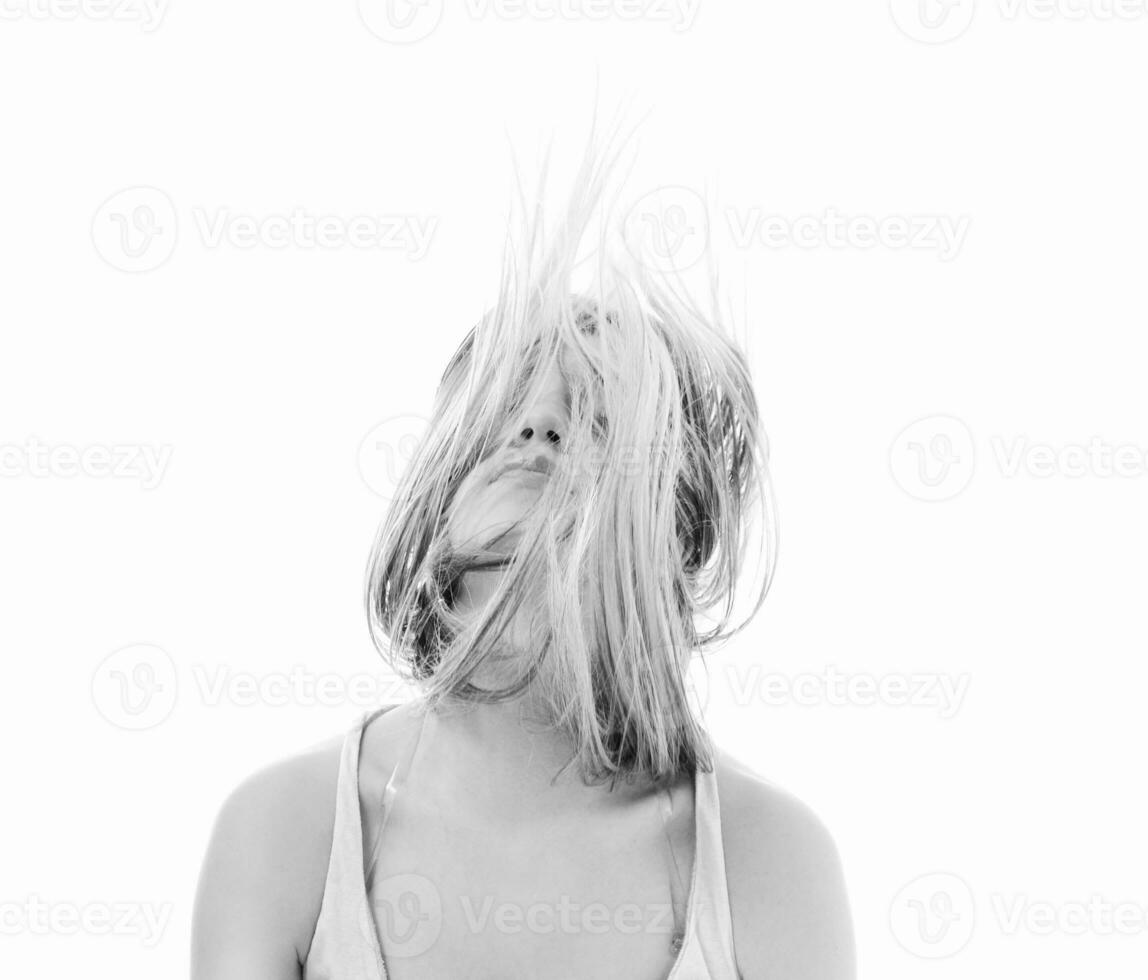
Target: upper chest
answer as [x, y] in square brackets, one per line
[583, 892]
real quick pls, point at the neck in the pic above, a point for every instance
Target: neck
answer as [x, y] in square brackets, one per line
[508, 749]
[504, 753]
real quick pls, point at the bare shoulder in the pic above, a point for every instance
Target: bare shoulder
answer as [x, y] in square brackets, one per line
[262, 879]
[385, 739]
[787, 892]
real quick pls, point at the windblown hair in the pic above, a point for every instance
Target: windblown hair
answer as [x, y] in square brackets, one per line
[641, 529]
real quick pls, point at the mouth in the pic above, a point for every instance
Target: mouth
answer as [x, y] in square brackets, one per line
[521, 473]
[523, 470]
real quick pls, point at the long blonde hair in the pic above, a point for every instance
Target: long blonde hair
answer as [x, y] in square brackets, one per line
[641, 532]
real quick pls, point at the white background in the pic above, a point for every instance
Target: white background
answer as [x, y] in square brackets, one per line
[258, 372]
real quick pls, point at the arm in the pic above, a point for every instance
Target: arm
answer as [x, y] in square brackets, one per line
[790, 907]
[262, 879]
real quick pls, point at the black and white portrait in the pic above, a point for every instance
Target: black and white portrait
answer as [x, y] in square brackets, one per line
[579, 489]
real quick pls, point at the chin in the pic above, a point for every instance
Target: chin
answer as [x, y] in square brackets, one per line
[493, 510]
[500, 522]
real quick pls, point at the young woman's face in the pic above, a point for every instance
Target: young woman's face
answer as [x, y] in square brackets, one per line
[498, 492]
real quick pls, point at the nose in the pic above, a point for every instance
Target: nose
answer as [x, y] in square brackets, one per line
[541, 431]
[536, 438]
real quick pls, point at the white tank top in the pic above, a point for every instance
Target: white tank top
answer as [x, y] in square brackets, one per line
[346, 944]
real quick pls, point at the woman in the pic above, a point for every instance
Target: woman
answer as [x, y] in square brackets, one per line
[549, 806]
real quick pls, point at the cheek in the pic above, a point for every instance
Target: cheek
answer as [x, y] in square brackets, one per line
[466, 502]
[586, 464]
[490, 510]
[480, 505]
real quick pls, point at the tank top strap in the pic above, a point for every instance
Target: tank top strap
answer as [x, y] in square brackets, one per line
[709, 925]
[390, 792]
[679, 892]
[344, 943]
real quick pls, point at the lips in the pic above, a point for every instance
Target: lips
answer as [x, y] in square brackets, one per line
[521, 472]
[539, 466]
